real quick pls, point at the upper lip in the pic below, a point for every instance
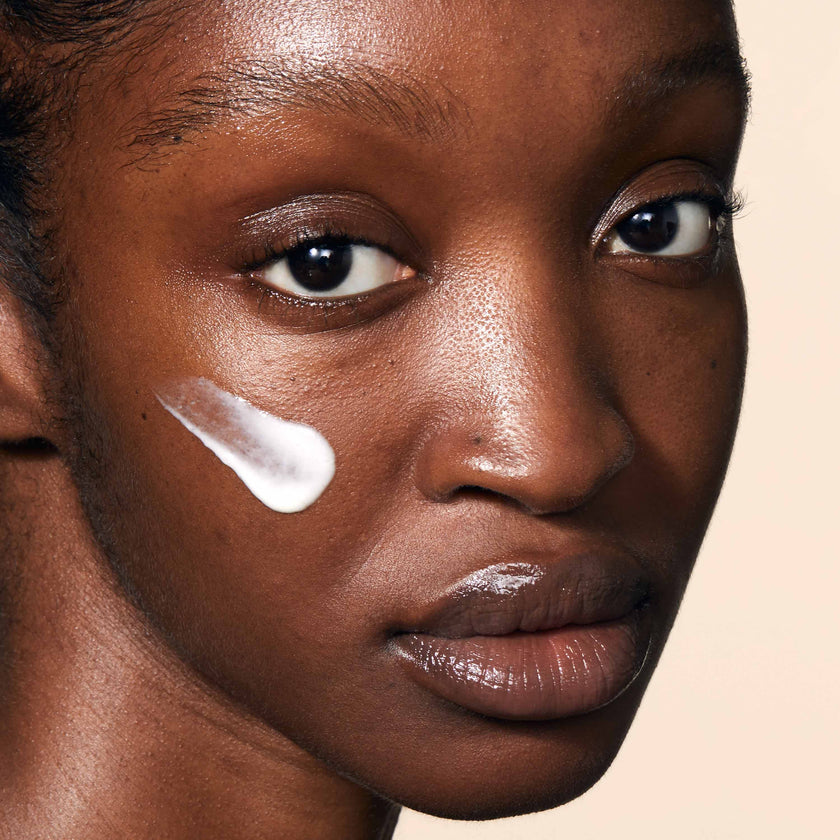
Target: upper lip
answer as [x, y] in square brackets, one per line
[529, 594]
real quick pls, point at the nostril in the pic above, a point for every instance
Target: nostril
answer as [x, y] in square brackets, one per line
[478, 493]
[34, 447]
[522, 501]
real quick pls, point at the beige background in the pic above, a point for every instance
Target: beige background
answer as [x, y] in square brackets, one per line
[738, 734]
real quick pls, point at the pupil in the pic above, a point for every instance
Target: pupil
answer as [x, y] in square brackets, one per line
[651, 229]
[321, 267]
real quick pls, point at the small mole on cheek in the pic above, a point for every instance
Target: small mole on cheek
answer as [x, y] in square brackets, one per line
[714, 363]
[477, 439]
[143, 415]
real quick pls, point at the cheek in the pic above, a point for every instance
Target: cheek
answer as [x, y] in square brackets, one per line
[678, 366]
[263, 602]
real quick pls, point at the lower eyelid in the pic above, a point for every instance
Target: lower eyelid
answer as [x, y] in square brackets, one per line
[297, 314]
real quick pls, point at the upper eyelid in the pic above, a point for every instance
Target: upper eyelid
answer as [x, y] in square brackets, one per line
[355, 217]
[270, 253]
[724, 205]
[667, 180]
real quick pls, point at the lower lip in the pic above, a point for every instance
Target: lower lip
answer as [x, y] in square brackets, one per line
[531, 676]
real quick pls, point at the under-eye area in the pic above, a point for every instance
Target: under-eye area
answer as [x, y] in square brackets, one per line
[295, 311]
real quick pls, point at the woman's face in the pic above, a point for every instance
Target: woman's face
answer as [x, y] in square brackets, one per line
[537, 377]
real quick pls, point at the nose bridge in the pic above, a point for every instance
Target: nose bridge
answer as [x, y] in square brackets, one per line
[526, 413]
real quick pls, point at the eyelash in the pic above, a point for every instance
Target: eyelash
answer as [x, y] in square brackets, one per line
[723, 207]
[270, 252]
[323, 314]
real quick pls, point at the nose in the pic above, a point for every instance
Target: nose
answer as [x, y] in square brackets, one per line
[523, 404]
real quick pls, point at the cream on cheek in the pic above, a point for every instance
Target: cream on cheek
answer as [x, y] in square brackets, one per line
[285, 465]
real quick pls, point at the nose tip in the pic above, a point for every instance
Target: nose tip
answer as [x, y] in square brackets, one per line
[547, 457]
[524, 397]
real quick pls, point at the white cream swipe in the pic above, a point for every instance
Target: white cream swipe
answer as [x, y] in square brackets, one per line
[286, 465]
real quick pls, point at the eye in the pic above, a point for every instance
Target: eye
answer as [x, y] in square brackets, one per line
[333, 268]
[674, 228]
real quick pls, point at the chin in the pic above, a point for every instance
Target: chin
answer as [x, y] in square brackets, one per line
[513, 797]
[504, 789]
[488, 768]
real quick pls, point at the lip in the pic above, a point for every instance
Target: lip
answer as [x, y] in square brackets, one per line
[525, 640]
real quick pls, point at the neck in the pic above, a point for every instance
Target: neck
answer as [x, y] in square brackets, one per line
[104, 732]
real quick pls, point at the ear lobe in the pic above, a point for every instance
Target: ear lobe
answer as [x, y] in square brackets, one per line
[22, 393]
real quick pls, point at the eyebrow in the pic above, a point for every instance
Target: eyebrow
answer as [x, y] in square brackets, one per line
[386, 97]
[653, 82]
[393, 98]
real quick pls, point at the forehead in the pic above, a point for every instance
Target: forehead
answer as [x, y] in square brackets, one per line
[443, 37]
[424, 67]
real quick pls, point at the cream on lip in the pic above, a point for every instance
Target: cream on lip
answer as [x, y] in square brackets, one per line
[286, 465]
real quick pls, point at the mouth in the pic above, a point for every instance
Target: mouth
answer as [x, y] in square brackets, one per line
[533, 641]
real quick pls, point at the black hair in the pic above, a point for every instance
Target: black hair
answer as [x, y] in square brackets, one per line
[44, 46]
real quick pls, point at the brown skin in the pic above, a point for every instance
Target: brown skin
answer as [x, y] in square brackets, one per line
[528, 389]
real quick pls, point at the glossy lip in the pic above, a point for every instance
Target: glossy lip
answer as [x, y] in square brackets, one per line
[534, 640]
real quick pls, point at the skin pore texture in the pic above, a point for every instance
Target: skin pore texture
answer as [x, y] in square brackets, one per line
[530, 381]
